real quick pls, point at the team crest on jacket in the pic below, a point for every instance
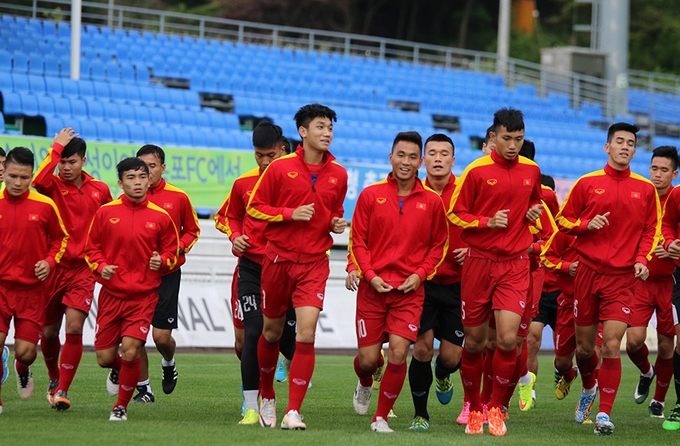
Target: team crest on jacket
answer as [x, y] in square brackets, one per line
[114, 220]
[421, 206]
[333, 180]
[167, 205]
[292, 174]
[526, 182]
[381, 200]
[32, 217]
[248, 192]
[492, 182]
[599, 191]
[95, 194]
[635, 195]
[64, 192]
[150, 225]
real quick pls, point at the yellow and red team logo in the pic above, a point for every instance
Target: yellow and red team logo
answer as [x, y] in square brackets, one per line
[381, 200]
[635, 195]
[421, 206]
[114, 221]
[64, 192]
[292, 174]
[248, 192]
[150, 225]
[526, 182]
[95, 194]
[492, 182]
[167, 205]
[333, 180]
[32, 217]
[599, 191]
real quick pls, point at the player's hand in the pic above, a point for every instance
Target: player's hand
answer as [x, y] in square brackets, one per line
[339, 225]
[661, 253]
[460, 254]
[598, 222]
[65, 136]
[380, 286]
[108, 271]
[155, 262]
[572, 268]
[641, 271]
[241, 243]
[674, 249]
[530, 249]
[303, 213]
[499, 220]
[534, 212]
[352, 280]
[411, 283]
[42, 270]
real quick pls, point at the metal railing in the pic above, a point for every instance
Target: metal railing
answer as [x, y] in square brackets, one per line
[579, 88]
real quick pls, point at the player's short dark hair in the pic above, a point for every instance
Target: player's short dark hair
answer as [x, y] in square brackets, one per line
[528, 150]
[150, 149]
[487, 136]
[21, 156]
[549, 181]
[266, 135]
[2, 152]
[76, 145]
[287, 146]
[131, 163]
[440, 137]
[510, 118]
[309, 112]
[413, 137]
[670, 152]
[622, 127]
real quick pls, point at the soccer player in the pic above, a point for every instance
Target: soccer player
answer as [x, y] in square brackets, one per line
[615, 215]
[398, 239]
[34, 240]
[70, 287]
[247, 237]
[441, 309]
[488, 145]
[301, 197]
[654, 295]
[496, 270]
[177, 204]
[130, 244]
[3, 156]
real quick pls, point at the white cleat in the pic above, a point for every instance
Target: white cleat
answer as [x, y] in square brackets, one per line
[268, 413]
[362, 398]
[112, 382]
[25, 383]
[119, 413]
[293, 421]
[380, 425]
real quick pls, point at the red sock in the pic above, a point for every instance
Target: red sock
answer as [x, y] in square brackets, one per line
[504, 362]
[664, 375]
[117, 363]
[238, 352]
[471, 371]
[390, 387]
[70, 359]
[22, 367]
[519, 372]
[640, 358]
[488, 376]
[365, 376]
[587, 368]
[129, 375]
[50, 350]
[267, 357]
[609, 380]
[301, 370]
[596, 374]
[568, 373]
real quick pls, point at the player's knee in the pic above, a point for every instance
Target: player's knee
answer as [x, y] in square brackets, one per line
[74, 328]
[25, 354]
[507, 341]
[665, 347]
[162, 338]
[562, 363]
[104, 359]
[423, 351]
[611, 348]
[633, 344]
[584, 350]
[50, 333]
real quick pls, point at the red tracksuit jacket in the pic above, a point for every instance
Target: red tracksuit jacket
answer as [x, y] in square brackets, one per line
[31, 230]
[288, 184]
[394, 237]
[557, 255]
[634, 222]
[549, 198]
[661, 269]
[671, 219]
[76, 205]
[126, 233]
[233, 220]
[490, 184]
[177, 204]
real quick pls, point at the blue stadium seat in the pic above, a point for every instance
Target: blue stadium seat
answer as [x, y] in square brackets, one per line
[105, 132]
[168, 137]
[62, 107]
[11, 103]
[78, 108]
[132, 94]
[157, 116]
[86, 89]
[202, 119]
[69, 87]
[199, 138]
[95, 110]
[177, 98]
[87, 130]
[163, 97]
[29, 105]
[36, 84]
[142, 73]
[53, 124]
[5, 60]
[147, 95]
[49, 28]
[101, 90]
[112, 71]
[52, 66]
[213, 139]
[137, 134]
[20, 82]
[5, 81]
[112, 112]
[142, 114]
[127, 73]
[36, 65]
[188, 118]
[172, 117]
[153, 136]
[45, 106]
[97, 71]
[184, 137]
[19, 63]
[127, 113]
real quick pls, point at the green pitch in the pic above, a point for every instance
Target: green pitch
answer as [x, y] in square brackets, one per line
[205, 409]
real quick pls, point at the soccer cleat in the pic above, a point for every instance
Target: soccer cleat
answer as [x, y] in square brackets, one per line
[497, 422]
[380, 425]
[464, 414]
[169, 379]
[505, 412]
[61, 401]
[250, 417]
[419, 424]
[119, 413]
[51, 389]
[293, 421]
[5, 368]
[672, 423]
[603, 425]
[656, 409]
[362, 398]
[444, 389]
[563, 386]
[475, 423]
[281, 371]
[525, 399]
[24, 383]
[243, 404]
[143, 395]
[585, 403]
[556, 379]
[391, 414]
[378, 374]
[268, 412]
[642, 389]
[112, 382]
[485, 411]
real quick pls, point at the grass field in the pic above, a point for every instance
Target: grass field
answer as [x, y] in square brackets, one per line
[205, 408]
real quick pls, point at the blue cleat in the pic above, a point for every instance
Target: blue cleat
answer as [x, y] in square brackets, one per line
[583, 407]
[281, 370]
[5, 368]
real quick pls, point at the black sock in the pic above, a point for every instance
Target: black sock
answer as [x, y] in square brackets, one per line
[250, 369]
[442, 372]
[676, 374]
[288, 336]
[420, 380]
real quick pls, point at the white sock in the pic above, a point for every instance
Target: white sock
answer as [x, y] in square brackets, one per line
[145, 384]
[590, 391]
[655, 401]
[602, 413]
[533, 393]
[251, 399]
[165, 363]
[526, 379]
[650, 372]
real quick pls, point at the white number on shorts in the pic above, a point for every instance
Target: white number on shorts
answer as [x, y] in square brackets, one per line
[575, 308]
[462, 309]
[361, 328]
